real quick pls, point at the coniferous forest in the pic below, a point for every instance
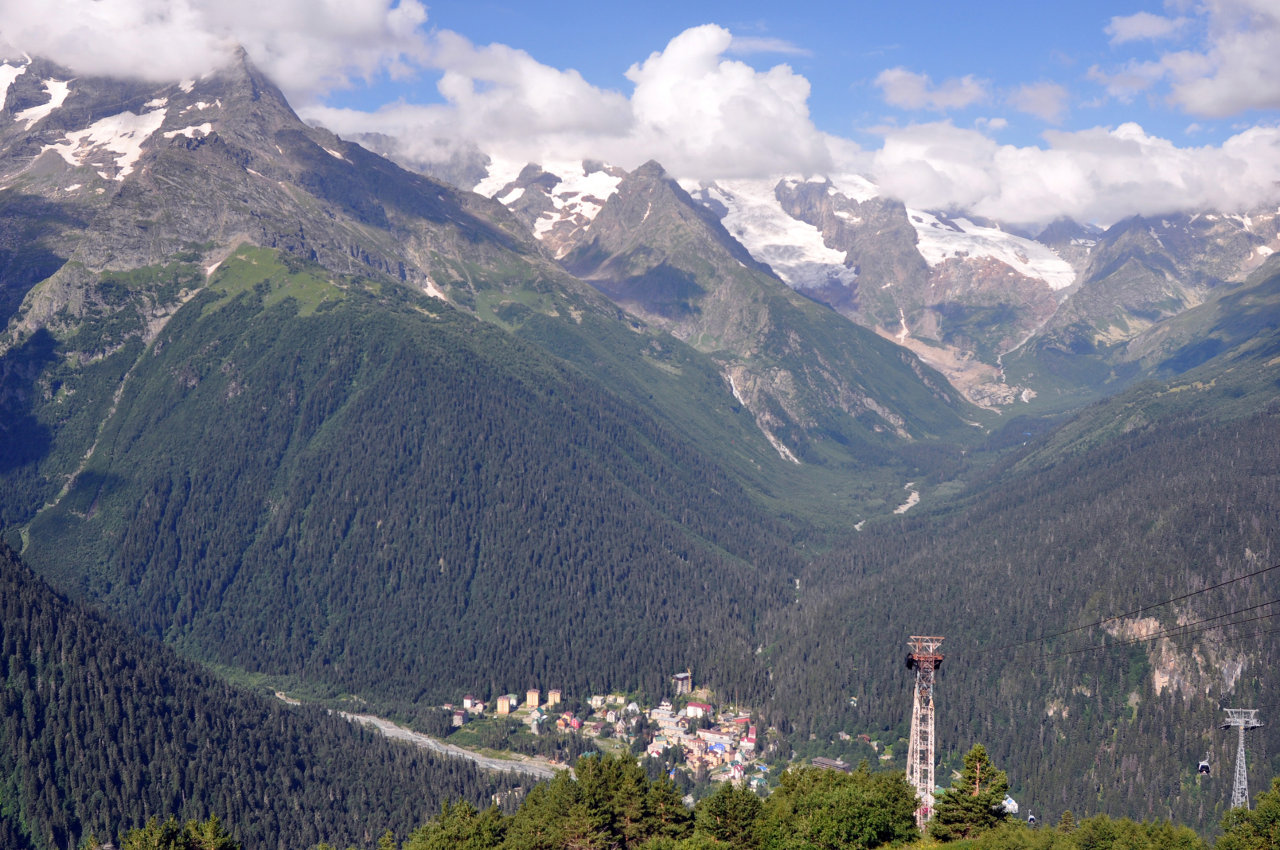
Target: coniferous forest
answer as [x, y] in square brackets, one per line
[104, 729]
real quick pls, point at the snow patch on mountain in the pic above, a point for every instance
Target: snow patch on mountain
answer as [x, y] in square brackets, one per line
[8, 74]
[580, 192]
[57, 91]
[544, 224]
[941, 240]
[855, 187]
[793, 249]
[191, 132]
[500, 173]
[512, 196]
[122, 135]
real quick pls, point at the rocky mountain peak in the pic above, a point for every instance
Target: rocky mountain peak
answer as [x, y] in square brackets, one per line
[651, 170]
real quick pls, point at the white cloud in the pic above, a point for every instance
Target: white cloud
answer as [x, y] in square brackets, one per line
[747, 45]
[1045, 100]
[1099, 175]
[700, 110]
[691, 109]
[1129, 81]
[1233, 72]
[909, 90]
[700, 114]
[307, 47]
[1238, 70]
[1143, 26]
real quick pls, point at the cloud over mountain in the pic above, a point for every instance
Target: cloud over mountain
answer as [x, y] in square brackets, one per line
[308, 48]
[704, 112]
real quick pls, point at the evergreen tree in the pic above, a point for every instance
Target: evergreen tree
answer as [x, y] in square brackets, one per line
[168, 835]
[974, 803]
[1258, 829]
[460, 827]
[1067, 823]
[731, 815]
[817, 808]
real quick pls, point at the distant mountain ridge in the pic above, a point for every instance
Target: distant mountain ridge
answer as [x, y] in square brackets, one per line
[965, 294]
[806, 374]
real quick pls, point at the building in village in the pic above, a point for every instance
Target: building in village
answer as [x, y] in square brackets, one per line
[698, 709]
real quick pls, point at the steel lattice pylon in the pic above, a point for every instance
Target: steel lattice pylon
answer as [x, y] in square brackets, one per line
[1243, 719]
[925, 659]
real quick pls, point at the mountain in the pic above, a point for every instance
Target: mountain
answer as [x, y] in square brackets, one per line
[956, 292]
[1141, 274]
[822, 388]
[396, 492]
[1002, 314]
[1105, 589]
[300, 412]
[103, 729]
[274, 405]
[1050, 579]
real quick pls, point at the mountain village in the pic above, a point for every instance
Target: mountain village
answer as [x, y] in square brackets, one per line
[713, 745]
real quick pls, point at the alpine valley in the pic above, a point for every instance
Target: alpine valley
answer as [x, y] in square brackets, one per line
[321, 422]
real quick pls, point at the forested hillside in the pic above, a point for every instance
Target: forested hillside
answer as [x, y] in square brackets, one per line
[1111, 715]
[388, 497]
[101, 729]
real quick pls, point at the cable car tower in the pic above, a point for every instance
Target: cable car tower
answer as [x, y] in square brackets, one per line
[924, 658]
[1243, 719]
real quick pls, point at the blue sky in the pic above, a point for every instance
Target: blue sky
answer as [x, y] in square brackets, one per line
[1018, 111]
[842, 48]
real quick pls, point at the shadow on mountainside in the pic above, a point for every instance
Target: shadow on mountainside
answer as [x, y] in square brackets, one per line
[26, 224]
[23, 438]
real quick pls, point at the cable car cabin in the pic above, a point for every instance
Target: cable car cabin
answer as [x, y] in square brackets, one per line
[1203, 769]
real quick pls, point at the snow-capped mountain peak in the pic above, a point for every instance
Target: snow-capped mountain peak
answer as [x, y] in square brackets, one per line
[559, 199]
[794, 249]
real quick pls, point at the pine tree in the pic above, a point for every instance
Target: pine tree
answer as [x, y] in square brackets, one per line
[730, 815]
[974, 803]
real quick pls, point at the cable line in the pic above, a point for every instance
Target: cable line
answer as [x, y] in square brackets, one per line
[1161, 636]
[1048, 637]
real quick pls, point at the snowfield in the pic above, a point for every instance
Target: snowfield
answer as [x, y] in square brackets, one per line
[793, 249]
[122, 135]
[57, 91]
[939, 241]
